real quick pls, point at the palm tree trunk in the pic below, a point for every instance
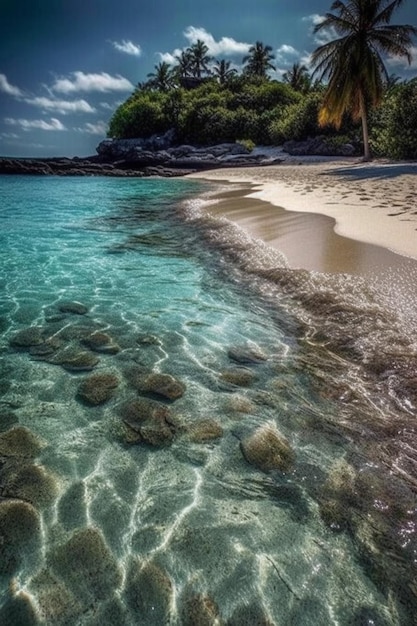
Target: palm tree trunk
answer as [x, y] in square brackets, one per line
[365, 132]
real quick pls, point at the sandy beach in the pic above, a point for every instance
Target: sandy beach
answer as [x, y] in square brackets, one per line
[339, 214]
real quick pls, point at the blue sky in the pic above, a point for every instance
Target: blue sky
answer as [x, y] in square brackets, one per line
[66, 64]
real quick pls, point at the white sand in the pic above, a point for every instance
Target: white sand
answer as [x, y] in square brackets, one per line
[371, 202]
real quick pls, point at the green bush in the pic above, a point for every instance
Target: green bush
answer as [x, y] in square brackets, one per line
[393, 125]
[297, 121]
[141, 115]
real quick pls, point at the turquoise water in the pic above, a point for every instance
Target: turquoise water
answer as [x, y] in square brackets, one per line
[98, 525]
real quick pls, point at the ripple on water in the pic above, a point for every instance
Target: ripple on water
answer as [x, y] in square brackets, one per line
[192, 528]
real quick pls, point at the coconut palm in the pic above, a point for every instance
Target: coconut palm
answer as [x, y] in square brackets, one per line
[258, 61]
[353, 63]
[223, 71]
[298, 77]
[184, 64]
[199, 58]
[162, 78]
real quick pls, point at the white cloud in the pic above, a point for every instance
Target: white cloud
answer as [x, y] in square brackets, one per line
[128, 47]
[9, 135]
[286, 54]
[54, 124]
[99, 128]
[169, 57]
[61, 106]
[402, 63]
[6, 87]
[107, 106]
[225, 46]
[323, 36]
[102, 82]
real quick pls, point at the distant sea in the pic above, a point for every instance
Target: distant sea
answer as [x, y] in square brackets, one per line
[98, 525]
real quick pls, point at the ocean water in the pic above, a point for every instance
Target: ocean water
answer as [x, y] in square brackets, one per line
[273, 483]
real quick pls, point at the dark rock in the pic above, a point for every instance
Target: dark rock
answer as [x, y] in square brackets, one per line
[101, 342]
[87, 565]
[246, 354]
[148, 340]
[150, 420]
[199, 610]
[267, 449]
[31, 483]
[320, 146]
[76, 361]
[98, 388]
[19, 527]
[164, 385]
[240, 376]
[149, 592]
[76, 308]
[252, 615]
[72, 506]
[32, 336]
[205, 430]
[20, 442]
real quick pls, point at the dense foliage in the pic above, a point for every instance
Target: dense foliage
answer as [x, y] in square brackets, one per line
[207, 101]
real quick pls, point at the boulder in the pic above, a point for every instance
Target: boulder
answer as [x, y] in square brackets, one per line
[69, 306]
[75, 361]
[247, 354]
[150, 420]
[101, 342]
[267, 449]
[149, 592]
[28, 337]
[199, 610]
[20, 442]
[240, 376]
[205, 430]
[20, 526]
[163, 385]
[31, 483]
[98, 388]
[86, 564]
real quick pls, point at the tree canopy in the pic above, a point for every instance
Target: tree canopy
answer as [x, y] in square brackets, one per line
[353, 62]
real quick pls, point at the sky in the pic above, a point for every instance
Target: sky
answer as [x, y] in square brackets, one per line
[65, 65]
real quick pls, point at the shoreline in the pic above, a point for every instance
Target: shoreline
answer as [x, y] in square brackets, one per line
[369, 203]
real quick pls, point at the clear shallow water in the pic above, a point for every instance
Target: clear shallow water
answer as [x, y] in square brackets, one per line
[190, 532]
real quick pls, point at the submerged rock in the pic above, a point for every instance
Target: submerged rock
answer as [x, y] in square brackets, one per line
[87, 565]
[267, 449]
[205, 430]
[18, 610]
[76, 361]
[98, 388]
[32, 336]
[19, 527]
[70, 306]
[20, 442]
[240, 376]
[164, 385]
[31, 483]
[199, 610]
[149, 592]
[247, 354]
[150, 420]
[101, 342]
[249, 615]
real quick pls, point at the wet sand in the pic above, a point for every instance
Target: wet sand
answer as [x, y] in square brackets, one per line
[330, 216]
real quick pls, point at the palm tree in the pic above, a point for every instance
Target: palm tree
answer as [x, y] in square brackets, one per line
[184, 64]
[258, 61]
[223, 71]
[353, 62]
[298, 77]
[161, 78]
[199, 58]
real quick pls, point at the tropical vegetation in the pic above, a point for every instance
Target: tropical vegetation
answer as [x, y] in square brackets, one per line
[349, 98]
[353, 63]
